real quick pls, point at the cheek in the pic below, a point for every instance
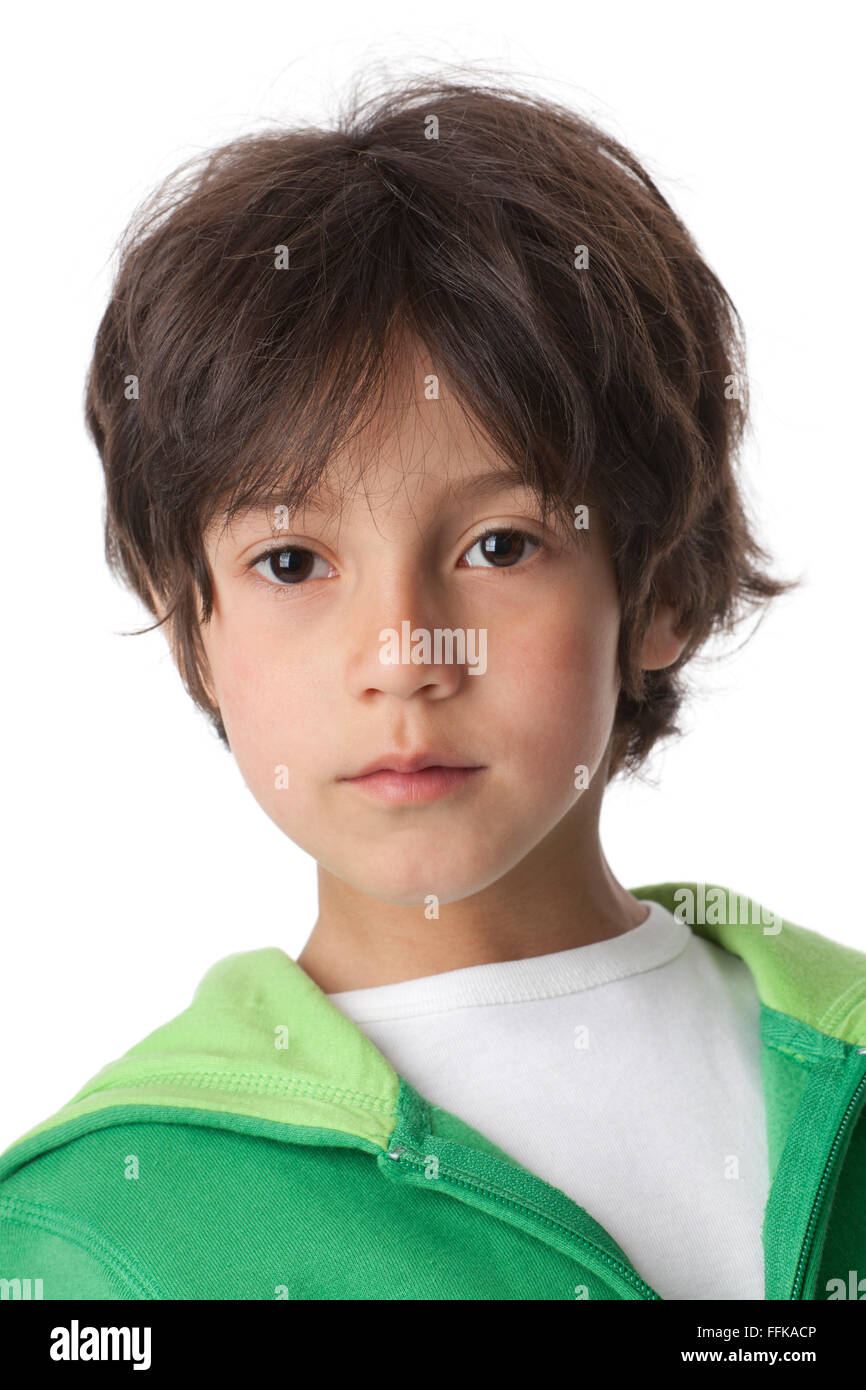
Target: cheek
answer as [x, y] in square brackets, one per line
[562, 691]
[271, 708]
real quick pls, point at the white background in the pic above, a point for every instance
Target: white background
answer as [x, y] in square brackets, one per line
[135, 857]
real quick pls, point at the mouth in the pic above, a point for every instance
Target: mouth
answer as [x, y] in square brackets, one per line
[418, 785]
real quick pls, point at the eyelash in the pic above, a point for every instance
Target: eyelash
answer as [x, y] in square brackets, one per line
[280, 590]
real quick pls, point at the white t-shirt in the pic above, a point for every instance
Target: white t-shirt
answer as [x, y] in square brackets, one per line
[626, 1073]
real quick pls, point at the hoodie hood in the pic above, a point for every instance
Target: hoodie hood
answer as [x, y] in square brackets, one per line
[261, 1053]
[261, 1039]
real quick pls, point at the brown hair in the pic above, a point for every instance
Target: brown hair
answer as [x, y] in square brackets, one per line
[453, 210]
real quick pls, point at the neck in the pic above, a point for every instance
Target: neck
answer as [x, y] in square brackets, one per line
[561, 895]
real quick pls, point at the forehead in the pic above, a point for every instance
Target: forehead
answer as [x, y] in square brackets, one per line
[419, 452]
[421, 440]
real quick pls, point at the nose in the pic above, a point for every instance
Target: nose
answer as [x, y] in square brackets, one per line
[405, 658]
[403, 643]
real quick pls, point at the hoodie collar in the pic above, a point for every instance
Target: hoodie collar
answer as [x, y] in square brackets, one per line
[262, 1040]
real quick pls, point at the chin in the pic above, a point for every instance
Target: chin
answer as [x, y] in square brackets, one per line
[439, 878]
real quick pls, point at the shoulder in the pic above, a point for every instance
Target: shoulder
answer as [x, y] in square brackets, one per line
[798, 971]
[180, 1207]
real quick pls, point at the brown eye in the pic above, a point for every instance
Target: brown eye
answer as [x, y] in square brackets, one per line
[287, 566]
[504, 549]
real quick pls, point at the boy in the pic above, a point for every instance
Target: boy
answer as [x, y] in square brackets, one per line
[493, 1072]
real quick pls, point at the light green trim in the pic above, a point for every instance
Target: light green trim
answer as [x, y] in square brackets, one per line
[796, 971]
[220, 1054]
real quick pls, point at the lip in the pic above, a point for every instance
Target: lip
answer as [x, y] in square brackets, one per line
[403, 762]
[420, 786]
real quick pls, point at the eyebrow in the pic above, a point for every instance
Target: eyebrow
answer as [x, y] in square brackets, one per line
[481, 485]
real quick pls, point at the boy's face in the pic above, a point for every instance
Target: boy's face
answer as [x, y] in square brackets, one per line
[307, 702]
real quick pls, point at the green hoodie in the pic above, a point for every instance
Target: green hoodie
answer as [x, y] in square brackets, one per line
[259, 1146]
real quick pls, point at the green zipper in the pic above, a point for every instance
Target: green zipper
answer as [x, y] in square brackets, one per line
[850, 1113]
[461, 1178]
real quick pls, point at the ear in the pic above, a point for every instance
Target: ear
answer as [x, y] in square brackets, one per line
[662, 643]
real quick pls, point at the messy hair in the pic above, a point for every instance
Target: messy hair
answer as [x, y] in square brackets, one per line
[262, 291]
